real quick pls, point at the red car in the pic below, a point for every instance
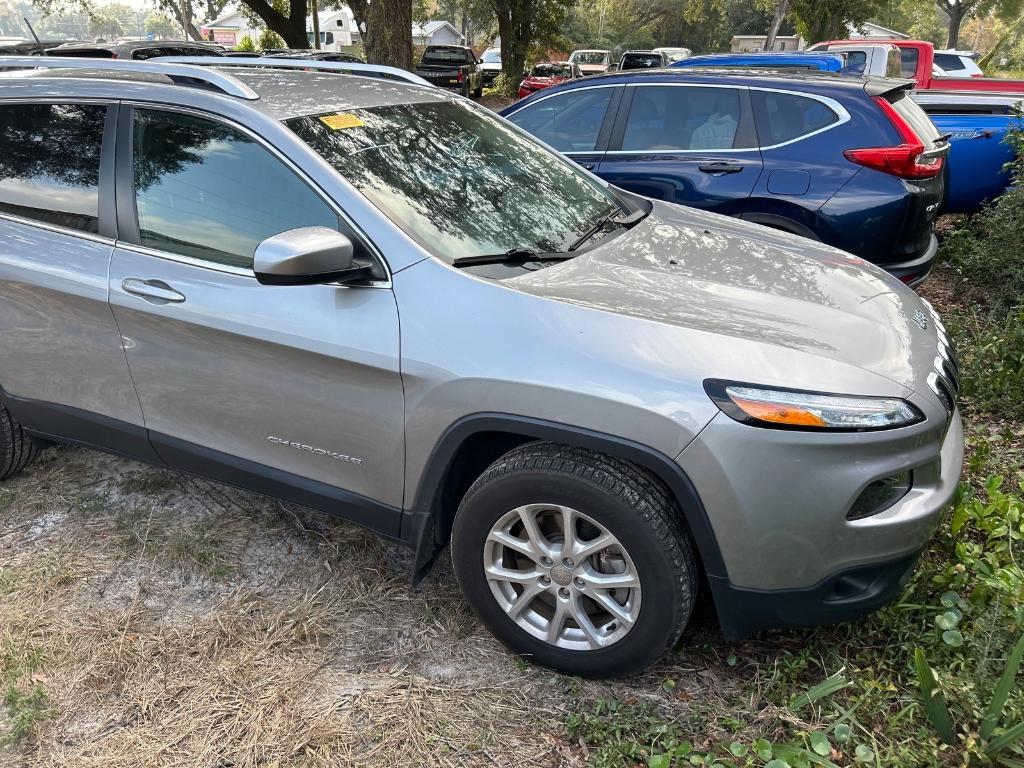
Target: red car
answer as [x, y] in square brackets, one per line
[548, 74]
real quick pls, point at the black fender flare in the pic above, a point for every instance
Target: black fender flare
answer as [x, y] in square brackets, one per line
[420, 529]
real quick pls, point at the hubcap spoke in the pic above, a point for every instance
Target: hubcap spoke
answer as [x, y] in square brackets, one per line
[588, 548]
[608, 603]
[498, 573]
[579, 615]
[530, 591]
[518, 545]
[611, 580]
[557, 622]
[537, 538]
[568, 532]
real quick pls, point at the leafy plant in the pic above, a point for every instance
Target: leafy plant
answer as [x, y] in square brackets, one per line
[246, 44]
[993, 745]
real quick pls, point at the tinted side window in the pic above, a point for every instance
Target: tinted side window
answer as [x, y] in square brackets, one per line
[569, 122]
[949, 62]
[908, 62]
[783, 117]
[50, 163]
[207, 191]
[673, 118]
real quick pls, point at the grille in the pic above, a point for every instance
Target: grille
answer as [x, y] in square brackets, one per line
[945, 380]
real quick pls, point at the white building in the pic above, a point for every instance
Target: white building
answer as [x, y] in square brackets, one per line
[870, 31]
[751, 43]
[229, 29]
[436, 33]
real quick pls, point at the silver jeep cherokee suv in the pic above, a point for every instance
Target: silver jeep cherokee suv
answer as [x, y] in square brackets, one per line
[381, 301]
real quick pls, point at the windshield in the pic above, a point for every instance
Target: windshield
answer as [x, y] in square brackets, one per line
[491, 57]
[445, 56]
[457, 180]
[589, 57]
[640, 61]
[552, 70]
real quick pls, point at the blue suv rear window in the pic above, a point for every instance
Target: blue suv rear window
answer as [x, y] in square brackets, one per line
[783, 117]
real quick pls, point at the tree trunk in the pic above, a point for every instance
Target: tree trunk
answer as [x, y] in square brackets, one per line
[388, 38]
[956, 18]
[291, 28]
[515, 27]
[781, 6]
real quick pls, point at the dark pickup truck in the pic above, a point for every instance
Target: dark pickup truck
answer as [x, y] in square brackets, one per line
[454, 67]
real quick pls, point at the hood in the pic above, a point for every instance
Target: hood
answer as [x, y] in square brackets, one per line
[720, 276]
[490, 66]
[593, 69]
[542, 82]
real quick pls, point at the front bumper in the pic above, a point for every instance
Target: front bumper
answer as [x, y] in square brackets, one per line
[777, 502]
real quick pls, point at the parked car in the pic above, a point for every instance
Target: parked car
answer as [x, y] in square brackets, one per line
[976, 124]
[871, 59]
[453, 67]
[774, 61]
[958, 63]
[675, 54]
[853, 163]
[134, 49]
[918, 64]
[490, 65]
[386, 303]
[314, 55]
[545, 75]
[642, 60]
[591, 61]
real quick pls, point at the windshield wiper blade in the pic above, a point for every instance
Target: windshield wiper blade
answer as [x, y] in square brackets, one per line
[513, 256]
[609, 220]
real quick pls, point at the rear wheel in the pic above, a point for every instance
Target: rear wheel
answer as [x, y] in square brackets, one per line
[479, 92]
[575, 560]
[17, 450]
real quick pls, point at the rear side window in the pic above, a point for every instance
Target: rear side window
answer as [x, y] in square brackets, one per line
[50, 163]
[908, 63]
[682, 118]
[205, 190]
[908, 109]
[569, 121]
[894, 64]
[783, 117]
[949, 62]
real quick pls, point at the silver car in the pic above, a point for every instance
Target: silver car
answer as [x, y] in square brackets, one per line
[381, 301]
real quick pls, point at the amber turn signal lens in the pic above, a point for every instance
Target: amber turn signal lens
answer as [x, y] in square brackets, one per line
[779, 414]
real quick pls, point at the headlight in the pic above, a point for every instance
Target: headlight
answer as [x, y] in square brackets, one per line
[794, 409]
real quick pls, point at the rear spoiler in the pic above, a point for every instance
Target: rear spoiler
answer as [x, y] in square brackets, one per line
[884, 86]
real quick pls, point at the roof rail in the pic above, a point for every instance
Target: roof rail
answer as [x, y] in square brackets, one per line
[178, 73]
[344, 67]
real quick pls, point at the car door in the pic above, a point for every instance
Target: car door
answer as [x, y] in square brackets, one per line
[576, 122]
[63, 371]
[689, 144]
[295, 382]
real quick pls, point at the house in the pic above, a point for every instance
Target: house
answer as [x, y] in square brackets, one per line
[750, 43]
[229, 29]
[871, 31]
[436, 33]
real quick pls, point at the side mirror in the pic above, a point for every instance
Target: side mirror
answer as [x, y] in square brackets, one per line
[306, 256]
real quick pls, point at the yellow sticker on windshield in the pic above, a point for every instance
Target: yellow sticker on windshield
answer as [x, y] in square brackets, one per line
[340, 121]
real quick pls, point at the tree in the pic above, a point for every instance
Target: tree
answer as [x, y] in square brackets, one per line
[105, 26]
[520, 23]
[246, 44]
[781, 8]
[387, 38]
[269, 39]
[818, 20]
[959, 10]
[160, 26]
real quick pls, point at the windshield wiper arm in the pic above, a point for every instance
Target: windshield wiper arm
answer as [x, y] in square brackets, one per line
[513, 256]
[609, 219]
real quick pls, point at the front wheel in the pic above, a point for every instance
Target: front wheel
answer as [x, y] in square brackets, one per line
[575, 560]
[17, 450]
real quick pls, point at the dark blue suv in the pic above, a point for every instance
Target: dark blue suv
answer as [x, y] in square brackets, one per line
[852, 162]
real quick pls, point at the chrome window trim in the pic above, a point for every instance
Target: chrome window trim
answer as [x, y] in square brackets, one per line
[832, 104]
[56, 228]
[317, 190]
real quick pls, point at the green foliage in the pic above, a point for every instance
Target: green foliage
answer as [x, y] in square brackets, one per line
[246, 44]
[818, 20]
[161, 26]
[24, 711]
[269, 39]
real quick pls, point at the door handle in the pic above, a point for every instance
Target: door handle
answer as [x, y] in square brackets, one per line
[154, 291]
[717, 169]
[587, 166]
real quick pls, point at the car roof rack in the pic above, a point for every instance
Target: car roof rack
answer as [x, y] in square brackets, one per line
[344, 67]
[179, 74]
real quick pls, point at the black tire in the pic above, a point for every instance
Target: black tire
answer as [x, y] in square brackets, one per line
[479, 92]
[630, 503]
[17, 450]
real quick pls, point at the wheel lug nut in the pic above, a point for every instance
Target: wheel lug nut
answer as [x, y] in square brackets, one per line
[579, 582]
[567, 561]
[546, 560]
[545, 580]
[563, 592]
